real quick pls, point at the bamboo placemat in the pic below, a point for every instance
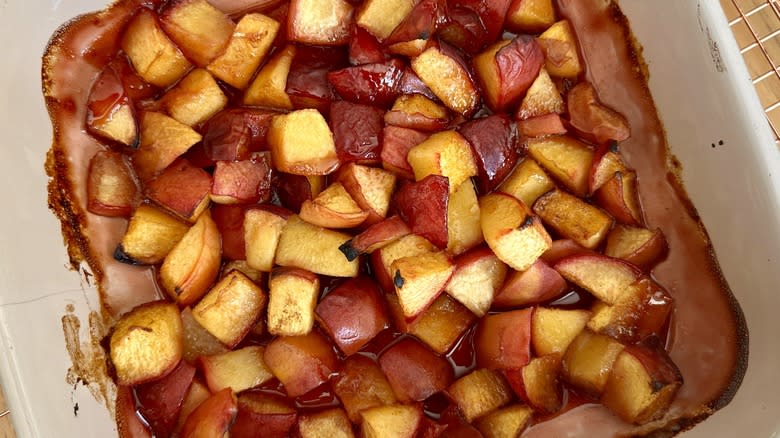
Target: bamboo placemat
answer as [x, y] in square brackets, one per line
[756, 26]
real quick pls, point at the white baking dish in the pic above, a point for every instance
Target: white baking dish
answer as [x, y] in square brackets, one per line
[703, 94]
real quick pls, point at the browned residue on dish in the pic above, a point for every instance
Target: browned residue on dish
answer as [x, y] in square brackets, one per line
[88, 358]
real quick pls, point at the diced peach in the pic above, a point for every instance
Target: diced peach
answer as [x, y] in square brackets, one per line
[537, 383]
[111, 187]
[197, 340]
[414, 372]
[160, 401]
[197, 394]
[620, 198]
[424, 206]
[110, 112]
[150, 236]
[364, 48]
[155, 58]
[292, 297]
[552, 330]
[331, 423]
[193, 264]
[163, 139]
[319, 22]
[262, 230]
[560, 49]
[213, 417]
[442, 69]
[181, 189]
[375, 237]
[380, 17]
[199, 29]
[352, 314]
[146, 343]
[302, 144]
[527, 182]
[464, 228]
[238, 370]
[541, 98]
[573, 218]
[391, 421]
[593, 120]
[369, 84]
[537, 284]
[244, 181]
[230, 309]
[396, 144]
[503, 340]
[415, 111]
[235, 133]
[530, 16]
[128, 423]
[270, 85]
[566, 159]
[306, 246]
[333, 208]
[250, 43]
[361, 385]
[562, 248]
[588, 361]
[478, 275]
[606, 278]
[263, 415]
[507, 422]
[407, 246]
[493, 141]
[419, 279]
[480, 393]
[541, 126]
[357, 131]
[512, 232]
[507, 69]
[301, 363]
[195, 98]
[638, 246]
[440, 325]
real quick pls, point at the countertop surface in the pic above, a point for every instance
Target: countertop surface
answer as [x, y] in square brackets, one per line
[763, 20]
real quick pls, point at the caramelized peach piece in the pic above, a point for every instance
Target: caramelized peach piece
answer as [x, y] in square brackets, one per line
[238, 370]
[197, 394]
[512, 232]
[407, 246]
[638, 246]
[352, 314]
[319, 22]
[588, 361]
[527, 182]
[160, 401]
[128, 422]
[396, 144]
[535, 285]
[541, 126]
[292, 297]
[415, 111]
[440, 325]
[110, 112]
[270, 85]
[478, 274]
[424, 206]
[464, 229]
[357, 131]
[361, 385]
[163, 139]
[369, 84]
[552, 330]
[507, 422]
[419, 279]
[375, 237]
[606, 278]
[507, 69]
[643, 383]
[414, 372]
[199, 29]
[541, 98]
[560, 48]
[480, 393]
[193, 264]
[301, 363]
[593, 120]
[530, 16]
[391, 421]
[331, 423]
[197, 340]
[195, 98]
[213, 417]
[503, 340]
[250, 43]
[262, 230]
[111, 188]
[619, 196]
[230, 309]
[333, 208]
[493, 140]
[155, 58]
[566, 159]
[244, 181]
[573, 218]
[442, 69]
[380, 17]
[146, 343]
[370, 187]
[306, 246]
[263, 415]
[537, 383]
[302, 143]
[181, 189]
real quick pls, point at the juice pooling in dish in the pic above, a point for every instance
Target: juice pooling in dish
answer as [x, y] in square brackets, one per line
[383, 218]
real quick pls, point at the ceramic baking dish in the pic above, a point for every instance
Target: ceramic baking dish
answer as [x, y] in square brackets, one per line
[715, 126]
